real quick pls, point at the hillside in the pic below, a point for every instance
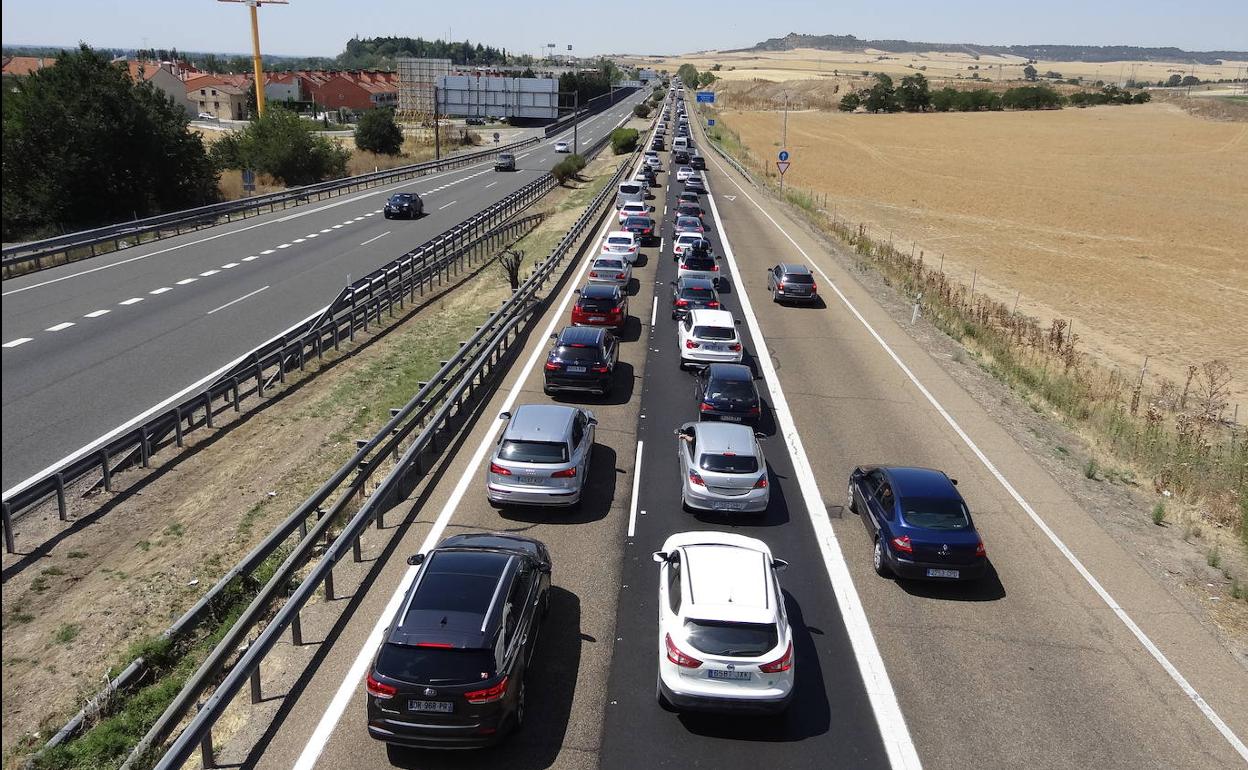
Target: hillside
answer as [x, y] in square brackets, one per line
[1083, 53]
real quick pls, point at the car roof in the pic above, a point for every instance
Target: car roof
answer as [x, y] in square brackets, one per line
[600, 291]
[540, 422]
[728, 582]
[730, 372]
[495, 541]
[506, 155]
[403, 195]
[725, 437]
[581, 335]
[920, 482]
[790, 268]
[454, 600]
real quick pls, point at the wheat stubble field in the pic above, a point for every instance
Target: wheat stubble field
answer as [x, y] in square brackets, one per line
[1132, 221]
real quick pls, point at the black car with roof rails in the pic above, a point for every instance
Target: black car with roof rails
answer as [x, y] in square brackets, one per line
[693, 294]
[450, 670]
[790, 282]
[582, 359]
[680, 157]
[729, 394]
[407, 205]
[657, 144]
[697, 162]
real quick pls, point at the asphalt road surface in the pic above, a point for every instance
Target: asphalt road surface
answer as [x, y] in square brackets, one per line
[89, 346]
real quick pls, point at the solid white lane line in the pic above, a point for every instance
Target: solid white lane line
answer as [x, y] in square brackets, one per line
[447, 206]
[654, 310]
[185, 281]
[251, 258]
[131, 301]
[894, 734]
[1236, 743]
[632, 507]
[240, 299]
[370, 240]
[16, 342]
[60, 327]
[355, 674]
[207, 273]
[229, 265]
[97, 313]
[161, 290]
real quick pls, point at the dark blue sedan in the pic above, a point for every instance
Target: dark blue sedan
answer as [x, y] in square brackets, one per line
[919, 523]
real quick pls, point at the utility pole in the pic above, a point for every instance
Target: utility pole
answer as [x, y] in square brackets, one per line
[784, 138]
[257, 64]
[576, 121]
[437, 128]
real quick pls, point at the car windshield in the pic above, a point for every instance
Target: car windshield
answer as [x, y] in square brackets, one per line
[731, 390]
[685, 170]
[506, 156]
[729, 463]
[576, 353]
[630, 189]
[743, 640]
[534, 451]
[404, 198]
[805, 278]
[935, 513]
[435, 665]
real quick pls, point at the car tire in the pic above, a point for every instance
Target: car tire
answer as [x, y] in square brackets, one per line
[878, 561]
[517, 720]
[850, 502]
[659, 697]
[386, 214]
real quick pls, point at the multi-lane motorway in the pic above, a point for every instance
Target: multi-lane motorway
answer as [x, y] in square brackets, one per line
[1070, 654]
[89, 346]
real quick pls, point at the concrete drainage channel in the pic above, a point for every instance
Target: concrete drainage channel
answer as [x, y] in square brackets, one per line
[408, 446]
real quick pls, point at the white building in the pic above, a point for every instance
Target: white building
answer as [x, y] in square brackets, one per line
[498, 97]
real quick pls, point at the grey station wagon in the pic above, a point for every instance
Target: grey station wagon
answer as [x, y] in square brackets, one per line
[542, 458]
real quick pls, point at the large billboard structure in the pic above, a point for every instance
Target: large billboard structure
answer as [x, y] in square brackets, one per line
[417, 78]
[498, 97]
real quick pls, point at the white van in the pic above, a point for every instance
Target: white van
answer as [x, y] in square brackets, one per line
[680, 143]
[630, 192]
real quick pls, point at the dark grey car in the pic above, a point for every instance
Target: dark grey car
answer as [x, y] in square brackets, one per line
[792, 283]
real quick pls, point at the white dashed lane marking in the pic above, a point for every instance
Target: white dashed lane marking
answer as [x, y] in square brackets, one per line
[267, 251]
[335, 227]
[185, 281]
[284, 246]
[229, 265]
[447, 206]
[97, 313]
[60, 326]
[16, 342]
[161, 290]
[131, 301]
[299, 240]
[325, 230]
[207, 273]
[252, 258]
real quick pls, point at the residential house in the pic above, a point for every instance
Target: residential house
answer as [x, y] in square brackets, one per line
[222, 96]
[283, 87]
[24, 65]
[165, 76]
[353, 90]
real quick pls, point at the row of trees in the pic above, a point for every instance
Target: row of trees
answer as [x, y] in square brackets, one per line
[914, 94]
[690, 76]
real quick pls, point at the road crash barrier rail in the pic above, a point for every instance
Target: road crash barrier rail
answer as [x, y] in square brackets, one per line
[358, 307]
[29, 257]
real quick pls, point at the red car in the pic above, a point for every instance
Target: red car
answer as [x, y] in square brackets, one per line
[600, 304]
[642, 227]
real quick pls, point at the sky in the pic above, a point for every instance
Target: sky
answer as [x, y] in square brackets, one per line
[322, 27]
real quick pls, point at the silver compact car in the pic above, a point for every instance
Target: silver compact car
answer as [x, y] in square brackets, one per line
[722, 468]
[543, 456]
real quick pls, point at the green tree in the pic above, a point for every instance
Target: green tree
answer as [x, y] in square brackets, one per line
[1174, 80]
[641, 110]
[86, 146]
[944, 99]
[913, 94]
[850, 102]
[706, 78]
[688, 75]
[378, 132]
[881, 97]
[1029, 72]
[253, 107]
[283, 146]
[1189, 80]
[1031, 98]
[624, 140]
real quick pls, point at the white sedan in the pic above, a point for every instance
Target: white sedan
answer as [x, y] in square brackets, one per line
[724, 638]
[633, 209]
[623, 244]
[683, 173]
[610, 269]
[563, 147]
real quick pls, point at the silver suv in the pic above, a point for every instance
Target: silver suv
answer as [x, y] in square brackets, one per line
[542, 457]
[723, 468]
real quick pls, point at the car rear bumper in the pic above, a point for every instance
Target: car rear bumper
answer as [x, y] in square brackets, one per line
[729, 416]
[797, 297]
[705, 358]
[556, 496]
[402, 732]
[917, 570]
[753, 501]
[757, 704]
[596, 384]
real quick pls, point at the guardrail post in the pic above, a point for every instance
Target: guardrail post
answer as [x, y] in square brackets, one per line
[296, 631]
[61, 509]
[145, 447]
[237, 397]
[208, 408]
[356, 555]
[177, 425]
[207, 756]
[255, 685]
[9, 546]
[329, 584]
[259, 379]
[108, 473]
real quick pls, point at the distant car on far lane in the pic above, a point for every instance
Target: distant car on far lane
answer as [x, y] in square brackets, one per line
[563, 146]
[407, 205]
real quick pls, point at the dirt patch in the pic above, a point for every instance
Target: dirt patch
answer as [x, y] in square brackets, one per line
[1128, 220]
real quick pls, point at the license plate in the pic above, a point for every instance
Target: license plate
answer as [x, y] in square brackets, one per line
[434, 706]
[597, 318]
[943, 573]
[576, 370]
[730, 418]
[717, 506]
[736, 676]
[530, 479]
[716, 348]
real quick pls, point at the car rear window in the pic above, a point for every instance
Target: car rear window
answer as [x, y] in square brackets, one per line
[698, 292]
[595, 304]
[534, 451]
[733, 390]
[743, 640]
[799, 278]
[699, 263]
[630, 189]
[714, 332]
[688, 222]
[619, 240]
[433, 665]
[575, 353]
[935, 513]
[610, 264]
[729, 463]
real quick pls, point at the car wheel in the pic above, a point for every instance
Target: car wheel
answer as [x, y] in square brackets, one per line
[878, 561]
[519, 718]
[386, 214]
[851, 503]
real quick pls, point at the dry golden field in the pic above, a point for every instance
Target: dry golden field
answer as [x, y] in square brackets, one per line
[1132, 221]
[812, 63]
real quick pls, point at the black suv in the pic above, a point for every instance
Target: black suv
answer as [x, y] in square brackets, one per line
[697, 162]
[728, 394]
[506, 162]
[582, 359]
[693, 294]
[680, 157]
[450, 671]
[403, 205]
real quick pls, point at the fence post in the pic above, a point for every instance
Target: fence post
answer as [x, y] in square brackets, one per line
[108, 474]
[61, 509]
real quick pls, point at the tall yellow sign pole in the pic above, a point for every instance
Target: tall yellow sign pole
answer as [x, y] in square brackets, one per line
[257, 64]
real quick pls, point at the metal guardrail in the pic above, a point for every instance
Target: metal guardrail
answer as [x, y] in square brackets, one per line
[447, 397]
[355, 308]
[605, 100]
[36, 255]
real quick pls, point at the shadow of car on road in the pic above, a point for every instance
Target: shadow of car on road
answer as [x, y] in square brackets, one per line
[987, 589]
[596, 497]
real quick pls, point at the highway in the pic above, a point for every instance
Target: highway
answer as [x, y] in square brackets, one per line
[1070, 654]
[89, 346]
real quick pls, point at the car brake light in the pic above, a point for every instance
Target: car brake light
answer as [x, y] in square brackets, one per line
[714, 268]
[619, 276]
[690, 344]
[551, 366]
[734, 347]
[979, 549]
[761, 483]
[755, 410]
[437, 645]
[814, 287]
[695, 478]
[567, 473]
[682, 303]
[903, 544]
[500, 470]
[712, 303]
[705, 407]
[783, 663]
[593, 274]
[780, 286]
[675, 655]
[489, 694]
[380, 689]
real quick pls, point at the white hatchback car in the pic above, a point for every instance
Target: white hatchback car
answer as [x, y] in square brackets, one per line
[683, 242]
[633, 209]
[621, 243]
[683, 173]
[708, 337]
[610, 269]
[563, 147]
[725, 643]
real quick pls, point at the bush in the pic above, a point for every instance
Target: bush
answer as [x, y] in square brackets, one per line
[1031, 98]
[624, 140]
[564, 170]
[850, 102]
[378, 132]
[641, 110]
[284, 147]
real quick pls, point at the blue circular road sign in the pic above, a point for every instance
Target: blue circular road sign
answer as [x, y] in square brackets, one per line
[784, 155]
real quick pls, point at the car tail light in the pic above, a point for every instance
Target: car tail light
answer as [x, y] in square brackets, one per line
[489, 694]
[500, 470]
[380, 689]
[675, 655]
[695, 478]
[979, 549]
[705, 407]
[814, 287]
[783, 663]
[600, 369]
[761, 483]
[755, 410]
[690, 344]
[780, 286]
[682, 303]
[714, 268]
[552, 366]
[903, 544]
[593, 274]
[568, 473]
[619, 276]
[734, 347]
[712, 303]
[437, 645]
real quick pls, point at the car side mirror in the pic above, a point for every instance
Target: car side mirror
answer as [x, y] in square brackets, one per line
[554, 336]
[719, 256]
[779, 565]
[504, 415]
[544, 569]
[577, 291]
[593, 420]
[758, 434]
[737, 321]
[415, 560]
[955, 482]
[661, 557]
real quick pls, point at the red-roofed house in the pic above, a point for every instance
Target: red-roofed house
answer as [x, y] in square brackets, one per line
[222, 96]
[165, 77]
[24, 65]
[353, 90]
